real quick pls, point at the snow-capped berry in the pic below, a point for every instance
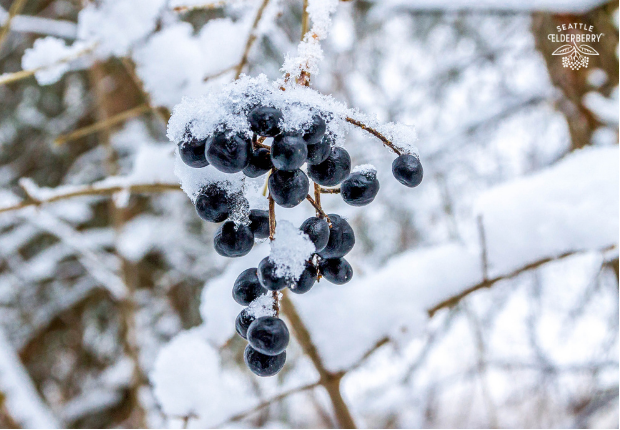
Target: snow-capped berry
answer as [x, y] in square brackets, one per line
[259, 223]
[306, 280]
[341, 238]
[336, 270]
[243, 321]
[288, 152]
[317, 230]
[259, 163]
[268, 335]
[407, 169]
[315, 130]
[229, 154]
[360, 188]
[265, 121]
[247, 288]
[333, 170]
[268, 278]
[288, 189]
[262, 364]
[192, 152]
[213, 204]
[319, 151]
[233, 240]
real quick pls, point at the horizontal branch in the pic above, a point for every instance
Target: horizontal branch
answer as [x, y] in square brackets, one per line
[454, 300]
[375, 133]
[330, 190]
[205, 6]
[101, 125]
[97, 189]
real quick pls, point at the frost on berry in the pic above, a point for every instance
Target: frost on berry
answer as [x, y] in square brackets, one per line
[262, 306]
[290, 250]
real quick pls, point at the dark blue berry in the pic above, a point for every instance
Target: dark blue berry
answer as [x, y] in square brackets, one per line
[341, 238]
[315, 130]
[247, 288]
[360, 188]
[265, 121]
[319, 151]
[243, 321]
[232, 240]
[259, 163]
[317, 230]
[262, 364]
[192, 152]
[268, 335]
[213, 204]
[229, 154]
[407, 169]
[336, 270]
[306, 280]
[333, 170]
[268, 278]
[288, 189]
[288, 152]
[259, 223]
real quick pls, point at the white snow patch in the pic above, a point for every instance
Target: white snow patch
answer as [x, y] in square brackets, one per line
[290, 250]
[52, 56]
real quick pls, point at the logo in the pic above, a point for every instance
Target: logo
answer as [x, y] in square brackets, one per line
[575, 53]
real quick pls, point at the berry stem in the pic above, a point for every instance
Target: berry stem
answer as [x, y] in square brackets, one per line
[272, 218]
[318, 208]
[317, 197]
[375, 133]
[330, 190]
[259, 143]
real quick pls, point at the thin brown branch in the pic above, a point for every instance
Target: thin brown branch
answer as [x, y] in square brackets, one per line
[251, 39]
[454, 300]
[97, 189]
[272, 218]
[330, 190]
[206, 6]
[267, 403]
[259, 143]
[319, 210]
[101, 125]
[14, 10]
[375, 133]
[329, 380]
[161, 112]
[363, 358]
[317, 197]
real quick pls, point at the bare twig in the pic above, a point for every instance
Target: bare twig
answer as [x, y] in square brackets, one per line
[251, 39]
[272, 218]
[330, 190]
[319, 210]
[452, 301]
[14, 10]
[317, 197]
[98, 126]
[96, 189]
[375, 133]
[206, 6]
[161, 112]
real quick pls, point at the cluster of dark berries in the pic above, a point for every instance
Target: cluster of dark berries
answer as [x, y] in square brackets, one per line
[332, 236]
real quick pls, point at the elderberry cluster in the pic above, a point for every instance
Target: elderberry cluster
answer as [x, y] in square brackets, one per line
[332, 236]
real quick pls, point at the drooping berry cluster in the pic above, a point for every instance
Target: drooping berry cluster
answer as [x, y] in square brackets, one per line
[330, 235]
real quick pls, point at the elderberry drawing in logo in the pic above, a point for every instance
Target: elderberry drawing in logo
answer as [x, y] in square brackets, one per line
[575, 56]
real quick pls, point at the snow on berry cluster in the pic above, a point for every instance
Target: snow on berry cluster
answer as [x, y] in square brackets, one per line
[227, 142]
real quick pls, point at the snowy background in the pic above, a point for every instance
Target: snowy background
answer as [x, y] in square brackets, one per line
[485, 297]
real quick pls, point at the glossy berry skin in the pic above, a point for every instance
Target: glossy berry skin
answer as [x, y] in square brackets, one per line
[192, 152]
[268, 335]
[233, 241]
[407, 169]
[268, 278]
[306, 280]
[314, 131]
[319, 151]
[228, 154]
[261, 364]
[247, 288]
[213, 204]
[288, 152]
[336, 270]
[317, 230]
[243, 321]
[341, 238]
[288, 189]
[265, 121]
[259, 223]
[360, 188]
[333, 170]
[259, 163]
